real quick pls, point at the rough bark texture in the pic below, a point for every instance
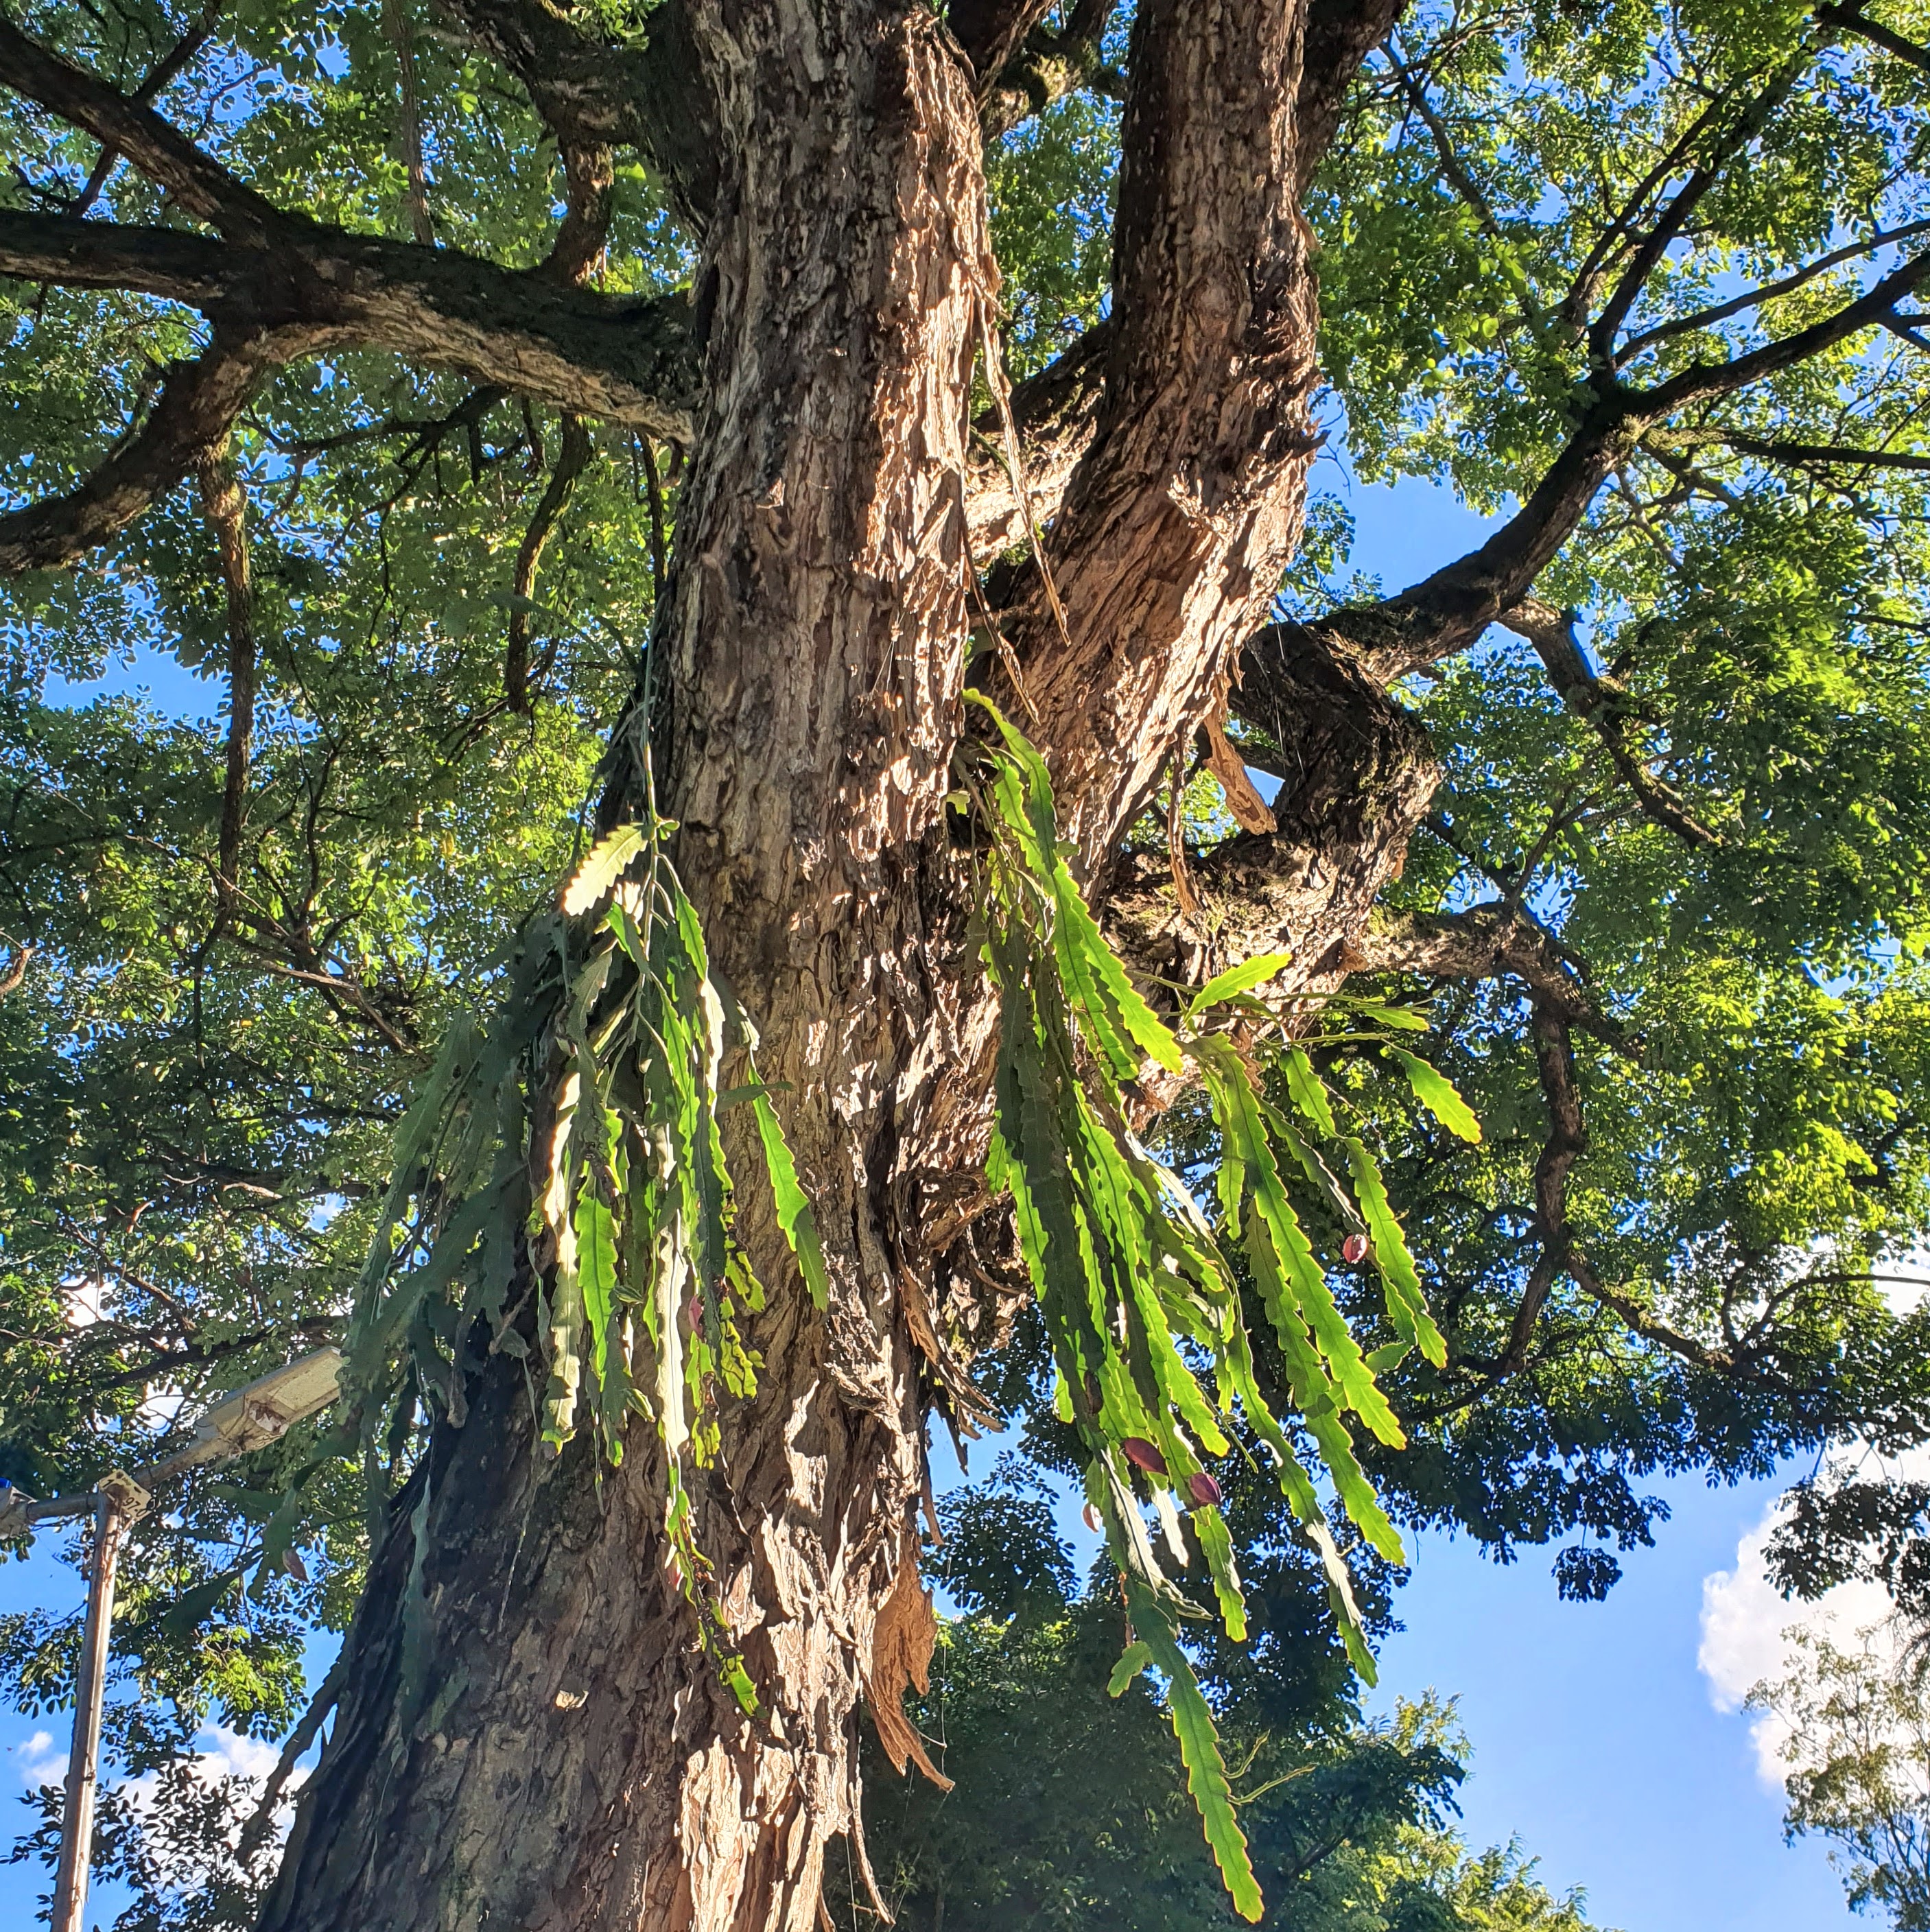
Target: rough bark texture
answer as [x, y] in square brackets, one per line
[568, 1758]
[1171, 539]
[811, 653]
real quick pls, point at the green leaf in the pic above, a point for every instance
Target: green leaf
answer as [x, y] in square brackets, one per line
[1133, 1659]
[601, 869]
[1308, 1092]
[742, 1688]
[1403, 1019]
[1407, 1306]
[794, 1206]
[1200, 1751]
[596, 1268]
[1256, 972]
[1436, 1092]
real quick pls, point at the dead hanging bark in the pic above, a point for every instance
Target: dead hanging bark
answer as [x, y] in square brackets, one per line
[572, 459]
[225, 505]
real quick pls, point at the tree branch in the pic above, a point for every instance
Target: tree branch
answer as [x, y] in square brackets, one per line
[1187, 503]
[628, 359]
[158, 78]
[590, 178]
[1601, 703]
[1041, 67]
[1797, 453]
[1750, 298]
[1487, 942]
[1850, 19]
[572, 459]
[409, 121]
[1056, 412]
[1445, 612]
[1359, 774]
[594, 93]
[200, 184]
[991, 32]
[1652, 247]
[1567, 1141]
[196, 409]
[1339, 36]
[227, 510]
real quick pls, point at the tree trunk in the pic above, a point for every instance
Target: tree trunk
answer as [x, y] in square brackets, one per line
[531, 1736]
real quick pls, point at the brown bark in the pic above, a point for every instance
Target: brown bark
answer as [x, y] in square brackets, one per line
[528, 1735]
[1187, 506]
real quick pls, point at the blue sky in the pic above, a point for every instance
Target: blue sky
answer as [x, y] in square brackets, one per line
[1597, 1740]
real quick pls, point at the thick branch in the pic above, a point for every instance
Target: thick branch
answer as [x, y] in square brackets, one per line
[200, 184]
[197, 407]
[1850, 19]
[1187, 504]
[991, 32]
[1823, 455]
[572, 459]
[1487, 942]
[1340, 35]
[226, 508]
[590, 178]
[594, 93]
[409, 121]
[626, 359]
[1567, 1141]
[1360, 772]
[1041, 67]
[1056, 412]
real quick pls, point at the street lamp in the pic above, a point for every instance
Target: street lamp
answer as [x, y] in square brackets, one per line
[251, 1418]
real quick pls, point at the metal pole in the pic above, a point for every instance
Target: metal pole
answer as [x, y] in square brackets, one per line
[83, 1765]
[248, 1419]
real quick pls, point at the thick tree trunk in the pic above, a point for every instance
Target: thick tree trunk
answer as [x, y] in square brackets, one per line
[530, 1735]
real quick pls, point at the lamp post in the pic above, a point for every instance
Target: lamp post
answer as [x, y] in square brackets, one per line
[251, 1418]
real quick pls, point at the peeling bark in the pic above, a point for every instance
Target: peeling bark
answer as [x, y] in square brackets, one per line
[554, 1752]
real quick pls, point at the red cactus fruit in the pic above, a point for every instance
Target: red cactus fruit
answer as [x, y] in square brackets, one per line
[1091, 1517]
[1203, 1489]
[1354, 1249]
[1142, 1455]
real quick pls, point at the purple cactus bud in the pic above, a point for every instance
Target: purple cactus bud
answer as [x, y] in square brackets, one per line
[1142, 1455]
[1203, 1489]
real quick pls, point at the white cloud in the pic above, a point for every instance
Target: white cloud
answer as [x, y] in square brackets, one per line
[42, 1761]
[1745, 1627]
[1746, 1622]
